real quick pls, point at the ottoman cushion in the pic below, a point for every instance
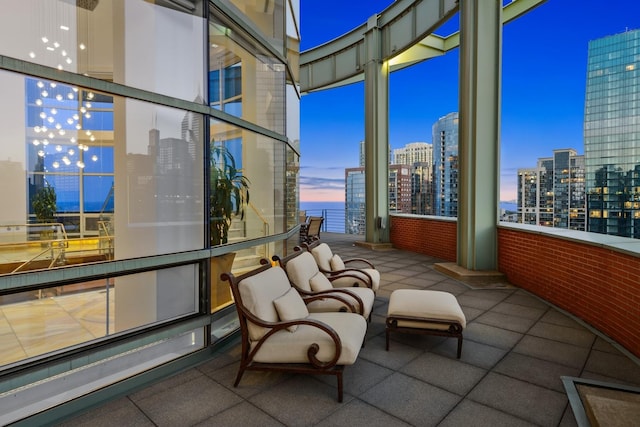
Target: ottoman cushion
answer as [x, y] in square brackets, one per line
[425, 304]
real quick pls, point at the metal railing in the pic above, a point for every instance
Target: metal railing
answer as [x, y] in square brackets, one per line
[340, 220]
[53, 242]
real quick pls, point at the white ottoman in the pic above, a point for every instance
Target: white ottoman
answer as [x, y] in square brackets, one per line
[420, 311]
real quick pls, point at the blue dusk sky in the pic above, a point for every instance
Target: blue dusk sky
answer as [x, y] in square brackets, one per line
[544, 62]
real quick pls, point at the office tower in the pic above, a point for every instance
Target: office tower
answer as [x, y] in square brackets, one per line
[445, 161]
[612, 135]
[412, 153]
[422, 188]
[419, 156]
[399, 195]
[354, 200]
[553, 193]
[399, 188]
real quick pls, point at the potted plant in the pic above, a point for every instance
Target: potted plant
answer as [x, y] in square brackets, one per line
[228, 198]
[229, 194]
[45, 208]
[44, 204]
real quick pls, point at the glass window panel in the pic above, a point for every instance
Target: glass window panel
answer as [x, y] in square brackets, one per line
[124, 42]
[69, 315]
[244, 79]
[99, 159]
[259, 162]
[267, 17]
[136, 181]
[98, 194]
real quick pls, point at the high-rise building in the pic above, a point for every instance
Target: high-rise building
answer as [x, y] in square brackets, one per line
[412, 153]
[399, 188]
[422, 188]
[419, 156]
[445, 161]
[399, 195]
[354, 200]
[612, 135]
[553, 193]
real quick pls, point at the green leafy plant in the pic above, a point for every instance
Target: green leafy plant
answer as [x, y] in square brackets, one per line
[229, 193]
[44, 204]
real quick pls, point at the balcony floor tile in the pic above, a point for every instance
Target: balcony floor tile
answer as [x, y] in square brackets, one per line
[515, 349]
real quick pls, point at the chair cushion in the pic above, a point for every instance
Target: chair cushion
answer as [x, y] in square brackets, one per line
[322, 254]
[290, 306]
[425, 304]
[284, 347]
[301, 269]
[336, 263]
[319, 282]
[258, 292]
[349, 281]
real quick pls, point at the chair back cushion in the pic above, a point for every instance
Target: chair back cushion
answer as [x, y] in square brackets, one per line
[290, 306]
[258, 293]
[315, 222]
[322, 254]
[336, 263]
[319, 282]
[301, 269]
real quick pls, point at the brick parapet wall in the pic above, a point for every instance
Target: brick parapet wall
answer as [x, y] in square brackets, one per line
[426, 235]
[596, 283]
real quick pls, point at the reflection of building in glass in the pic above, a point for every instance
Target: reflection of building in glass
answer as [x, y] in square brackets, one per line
[445, 162]
[553, 193]
[611, 135]
[163, 177]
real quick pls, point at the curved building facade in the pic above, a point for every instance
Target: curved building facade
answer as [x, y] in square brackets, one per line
[115, 114]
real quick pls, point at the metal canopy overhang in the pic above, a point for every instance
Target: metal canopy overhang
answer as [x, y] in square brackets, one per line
[407, 38]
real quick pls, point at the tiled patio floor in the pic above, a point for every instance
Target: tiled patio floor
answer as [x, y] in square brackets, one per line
[516, 348]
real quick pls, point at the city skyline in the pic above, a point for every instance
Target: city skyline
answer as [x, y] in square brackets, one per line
[543, 89]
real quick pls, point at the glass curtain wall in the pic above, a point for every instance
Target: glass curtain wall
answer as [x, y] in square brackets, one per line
[112, 115]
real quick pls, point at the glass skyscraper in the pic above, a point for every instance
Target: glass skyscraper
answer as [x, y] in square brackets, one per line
[612, 135]
[552, 194]
[354, 190]
[445, 161]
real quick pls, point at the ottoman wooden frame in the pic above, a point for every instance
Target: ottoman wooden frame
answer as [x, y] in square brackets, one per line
[442, 317]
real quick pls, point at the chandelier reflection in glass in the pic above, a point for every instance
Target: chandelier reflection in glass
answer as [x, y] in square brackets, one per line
[60, 117]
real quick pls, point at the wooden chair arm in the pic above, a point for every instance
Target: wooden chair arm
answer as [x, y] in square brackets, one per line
[313, 349]
[354, 260]
[354, 273]
[336, 294]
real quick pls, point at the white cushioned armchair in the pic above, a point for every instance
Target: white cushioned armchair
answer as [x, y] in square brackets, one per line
[357, 272]
[305, 275]
[279, 333]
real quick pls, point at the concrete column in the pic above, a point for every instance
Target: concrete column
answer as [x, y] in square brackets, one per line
[376, 137]
[479, 133]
